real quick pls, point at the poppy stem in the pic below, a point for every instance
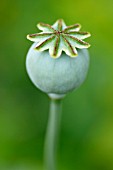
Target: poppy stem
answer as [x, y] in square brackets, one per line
[51, 140]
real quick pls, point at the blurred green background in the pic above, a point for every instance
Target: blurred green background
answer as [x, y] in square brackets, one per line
[86, 138]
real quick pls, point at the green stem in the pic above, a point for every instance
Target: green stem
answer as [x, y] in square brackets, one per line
[52, 134]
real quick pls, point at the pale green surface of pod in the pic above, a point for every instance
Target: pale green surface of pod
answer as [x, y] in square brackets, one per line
[57, 76]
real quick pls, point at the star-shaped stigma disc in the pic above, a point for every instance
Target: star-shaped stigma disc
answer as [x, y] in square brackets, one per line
[59, 37]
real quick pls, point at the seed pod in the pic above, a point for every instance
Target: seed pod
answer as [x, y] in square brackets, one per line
[62, 68]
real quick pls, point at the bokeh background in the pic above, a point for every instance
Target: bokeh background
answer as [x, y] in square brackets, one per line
[86, 138]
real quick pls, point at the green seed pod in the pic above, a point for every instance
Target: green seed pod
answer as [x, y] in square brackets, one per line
[54, 71]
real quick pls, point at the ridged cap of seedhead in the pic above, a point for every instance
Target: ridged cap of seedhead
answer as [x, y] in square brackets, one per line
[59, 37]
